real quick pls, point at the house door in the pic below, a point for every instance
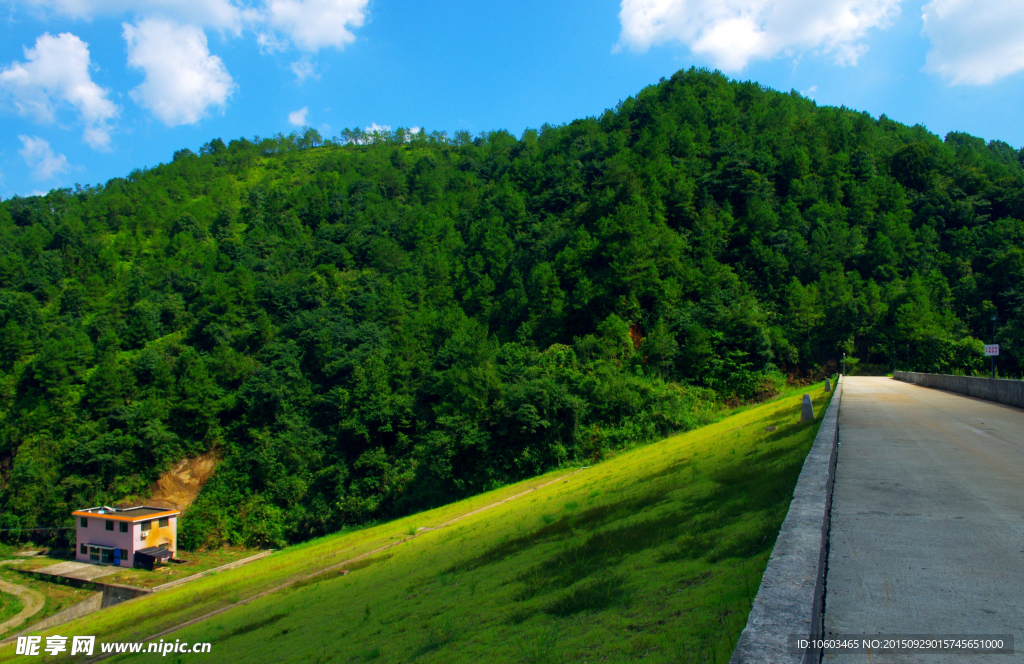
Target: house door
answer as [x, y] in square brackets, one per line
[108, 556]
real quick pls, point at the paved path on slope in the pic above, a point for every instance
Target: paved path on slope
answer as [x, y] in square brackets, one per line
[32, 601]
[72, 569]
[927, 532]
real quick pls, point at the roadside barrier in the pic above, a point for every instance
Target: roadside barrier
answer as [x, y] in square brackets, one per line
[1000, 390]
[790, 601]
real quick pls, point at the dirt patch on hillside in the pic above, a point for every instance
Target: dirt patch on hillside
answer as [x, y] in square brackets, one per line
[180, 485]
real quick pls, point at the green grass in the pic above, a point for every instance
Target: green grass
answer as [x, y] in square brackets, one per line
[10, 606]
[195, 563]
[653, 554]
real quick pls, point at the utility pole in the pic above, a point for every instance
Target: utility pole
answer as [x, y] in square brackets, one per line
[844, 364]
[908, 357]
[934, 367]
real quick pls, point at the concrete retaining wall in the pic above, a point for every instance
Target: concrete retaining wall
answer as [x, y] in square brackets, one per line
[790, 599]
[1009, 392]
[89, 605]
[113, 593]
[110, 594]
[85, 607]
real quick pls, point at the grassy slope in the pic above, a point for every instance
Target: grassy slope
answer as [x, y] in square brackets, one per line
[195, 563]
[657, 552]
[10, 606]
[136, 620]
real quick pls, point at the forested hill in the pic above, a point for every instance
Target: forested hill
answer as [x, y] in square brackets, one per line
[366, 329]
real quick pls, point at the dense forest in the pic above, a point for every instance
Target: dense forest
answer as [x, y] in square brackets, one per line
[370, 325]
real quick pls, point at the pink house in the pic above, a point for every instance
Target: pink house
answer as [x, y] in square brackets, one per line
[125, 536]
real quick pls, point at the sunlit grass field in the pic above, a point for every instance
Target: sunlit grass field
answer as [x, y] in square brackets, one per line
[656, 553]
[194, 564]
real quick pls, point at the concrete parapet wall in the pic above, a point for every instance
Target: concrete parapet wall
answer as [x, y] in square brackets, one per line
[1009, 392]
[790, 599]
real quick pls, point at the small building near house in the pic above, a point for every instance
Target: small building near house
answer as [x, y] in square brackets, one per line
[125, 536]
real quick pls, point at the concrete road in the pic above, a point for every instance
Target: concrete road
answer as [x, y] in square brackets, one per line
[80, 571]
[927, 532]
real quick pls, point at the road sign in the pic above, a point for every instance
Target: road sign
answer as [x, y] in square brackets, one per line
[992, 350]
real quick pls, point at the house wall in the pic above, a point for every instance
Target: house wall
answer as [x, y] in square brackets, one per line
[96, 533]
[166, 537]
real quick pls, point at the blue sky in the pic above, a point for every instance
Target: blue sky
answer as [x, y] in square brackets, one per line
[92, 89]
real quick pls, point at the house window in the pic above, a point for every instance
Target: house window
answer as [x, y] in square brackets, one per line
[164, 522]
[123, 527]
[109, 525]
[84, 522]
[85, 550]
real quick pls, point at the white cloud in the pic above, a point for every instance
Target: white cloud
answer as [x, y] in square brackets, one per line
[40, 157]
[220, 14]
[974, 41]
[270, 43]
[182, 79]
[166, 40]
[315, 24]
[308, 25]
[56, 71]
[303, 69]
[731, 33]
[298, 118]
[376, 128]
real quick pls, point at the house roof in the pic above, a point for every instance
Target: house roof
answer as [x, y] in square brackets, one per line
[139, 513]
[155, 552]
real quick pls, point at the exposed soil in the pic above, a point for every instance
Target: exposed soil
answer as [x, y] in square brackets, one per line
[179, 486]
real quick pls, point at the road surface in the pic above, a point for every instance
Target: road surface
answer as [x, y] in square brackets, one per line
[927, 533]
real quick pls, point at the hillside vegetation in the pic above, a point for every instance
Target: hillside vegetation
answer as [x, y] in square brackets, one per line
[361, 331]
[656, 553]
